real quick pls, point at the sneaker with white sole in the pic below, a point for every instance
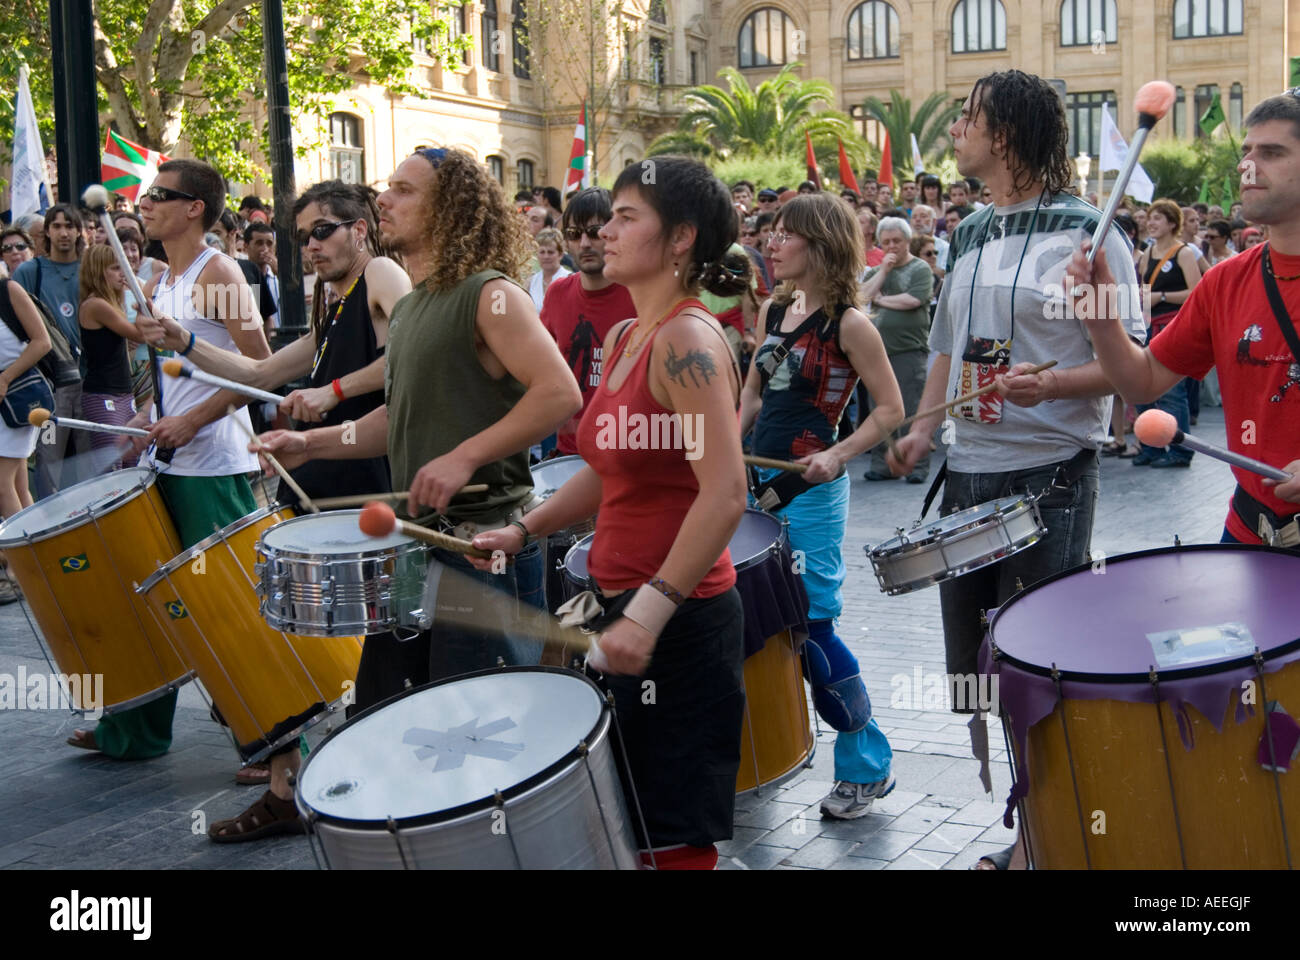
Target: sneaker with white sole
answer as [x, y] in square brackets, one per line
[848, 801]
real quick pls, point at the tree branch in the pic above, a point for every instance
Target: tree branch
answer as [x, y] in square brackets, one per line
[106, 69]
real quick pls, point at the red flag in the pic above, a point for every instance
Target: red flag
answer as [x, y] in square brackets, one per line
[813, 173]
[886, 164]
[847, 178]
[128, 168]
[579, 176]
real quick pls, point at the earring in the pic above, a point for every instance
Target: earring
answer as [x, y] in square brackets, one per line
[675, 271]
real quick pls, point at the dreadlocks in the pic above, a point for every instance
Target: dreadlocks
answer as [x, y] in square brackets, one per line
[343, 201]
[1028, 117]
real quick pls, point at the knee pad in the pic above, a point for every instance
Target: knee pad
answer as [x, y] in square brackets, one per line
[843, 704]
[838, 691]
[828, 660]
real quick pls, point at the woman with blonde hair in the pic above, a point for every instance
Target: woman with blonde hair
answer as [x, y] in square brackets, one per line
[107, 394]
[550, 248]
[814, 344]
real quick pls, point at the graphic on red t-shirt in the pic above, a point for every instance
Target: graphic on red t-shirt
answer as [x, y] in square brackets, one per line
[579, 319]
[1227, 323]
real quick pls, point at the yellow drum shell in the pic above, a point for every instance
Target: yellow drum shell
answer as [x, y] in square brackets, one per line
[776, 738]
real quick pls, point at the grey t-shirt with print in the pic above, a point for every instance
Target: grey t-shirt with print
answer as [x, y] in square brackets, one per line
[1004, 297]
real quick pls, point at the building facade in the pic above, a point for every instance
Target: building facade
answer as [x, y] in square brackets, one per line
[514, 100]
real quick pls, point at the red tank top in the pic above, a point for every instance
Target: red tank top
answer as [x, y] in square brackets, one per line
[637, 447]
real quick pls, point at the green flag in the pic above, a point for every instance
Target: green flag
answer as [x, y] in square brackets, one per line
[1213, 116]
[1295, 71]
[1227, 192]
[1205, 192]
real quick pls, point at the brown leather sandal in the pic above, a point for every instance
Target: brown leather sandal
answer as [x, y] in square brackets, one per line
[85, 739]
[268, 817]
[254, 775]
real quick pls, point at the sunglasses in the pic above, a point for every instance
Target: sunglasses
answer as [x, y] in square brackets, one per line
[574, 234]
[11, 247]
[323, 231]
[163, 194]
[927, 253]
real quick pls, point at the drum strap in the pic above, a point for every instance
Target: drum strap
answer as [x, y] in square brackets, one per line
[1067, 475]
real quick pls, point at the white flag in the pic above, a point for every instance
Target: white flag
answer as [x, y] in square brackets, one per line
[29, 192]
[918, 165]
[1114, 154]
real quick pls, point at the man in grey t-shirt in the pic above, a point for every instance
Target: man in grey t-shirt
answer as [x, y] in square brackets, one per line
[1003, 309]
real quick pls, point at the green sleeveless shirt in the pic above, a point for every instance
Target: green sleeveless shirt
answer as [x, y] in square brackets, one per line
[439, 395]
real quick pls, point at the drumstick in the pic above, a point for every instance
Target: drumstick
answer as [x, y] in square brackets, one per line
[1158, 428]
[361, 499]
[940, 407]
[174, 368]
[284, 474]
[39, 417]
[776, 464]
[378, 520]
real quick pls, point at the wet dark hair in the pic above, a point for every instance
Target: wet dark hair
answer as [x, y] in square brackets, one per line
[586, 206]
[685, 191]
[1029, 117]
[204, 182]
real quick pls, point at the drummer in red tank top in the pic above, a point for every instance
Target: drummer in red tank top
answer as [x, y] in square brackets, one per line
[665, 469]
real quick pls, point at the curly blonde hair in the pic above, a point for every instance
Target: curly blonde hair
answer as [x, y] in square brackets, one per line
[835, 248]
[472, 225]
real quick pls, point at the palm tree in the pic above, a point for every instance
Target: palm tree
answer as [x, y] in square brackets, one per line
[930, 123]
[770, 119]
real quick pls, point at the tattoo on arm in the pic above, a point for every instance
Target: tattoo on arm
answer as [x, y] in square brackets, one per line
[696, 364]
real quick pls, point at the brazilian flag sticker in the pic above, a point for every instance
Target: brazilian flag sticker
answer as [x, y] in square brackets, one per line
[74, 564]
[176, 610]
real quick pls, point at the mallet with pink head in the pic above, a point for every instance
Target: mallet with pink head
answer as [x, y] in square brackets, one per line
[1157, 428]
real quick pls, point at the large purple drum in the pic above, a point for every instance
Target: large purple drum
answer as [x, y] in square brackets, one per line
[1150, 699]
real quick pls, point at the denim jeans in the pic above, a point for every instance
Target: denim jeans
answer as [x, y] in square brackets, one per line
[1175, 402]
[909, 369]
[1067, 515]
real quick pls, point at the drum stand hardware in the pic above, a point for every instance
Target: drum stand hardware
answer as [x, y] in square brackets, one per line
[1272, 756]
[584, 753]
[636, 800]
[500, 803]
[397, 841]
[1069, 757]
[1169, 770]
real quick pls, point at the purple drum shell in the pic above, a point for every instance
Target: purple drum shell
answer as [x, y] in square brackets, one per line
[771, 593]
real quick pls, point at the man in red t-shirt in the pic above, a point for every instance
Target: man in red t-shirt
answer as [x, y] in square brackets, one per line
[1229, 324]
[580, 309]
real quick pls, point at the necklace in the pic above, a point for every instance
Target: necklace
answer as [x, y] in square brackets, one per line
[1268, 265]
[338, 311]
[633, 347]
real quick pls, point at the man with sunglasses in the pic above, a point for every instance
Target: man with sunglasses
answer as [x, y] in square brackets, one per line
[203, 480]
[580, 309]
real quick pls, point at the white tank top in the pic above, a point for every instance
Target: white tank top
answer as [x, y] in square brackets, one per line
[221, 448]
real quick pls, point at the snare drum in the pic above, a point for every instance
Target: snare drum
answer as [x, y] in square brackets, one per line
[501, 769]
[549, 476]
[268, 685]
[75, 555]
[1137, 709]
[777, 739]
[956, 544]
[320, 576]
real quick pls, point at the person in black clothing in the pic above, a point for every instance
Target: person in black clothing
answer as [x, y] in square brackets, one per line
[343, 354]
[257, 270]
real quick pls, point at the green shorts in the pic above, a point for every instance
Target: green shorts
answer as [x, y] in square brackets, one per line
[200, 505]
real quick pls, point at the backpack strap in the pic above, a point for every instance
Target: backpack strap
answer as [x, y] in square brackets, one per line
[10, 316]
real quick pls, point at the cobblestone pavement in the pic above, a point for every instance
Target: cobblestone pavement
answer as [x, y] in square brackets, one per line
[61, 807]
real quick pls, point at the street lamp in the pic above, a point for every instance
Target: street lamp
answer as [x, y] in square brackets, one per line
[1083, 163]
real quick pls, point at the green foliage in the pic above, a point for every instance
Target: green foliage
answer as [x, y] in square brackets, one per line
[25, 26]
[1178, 167]
[930, 123]
[763, 171]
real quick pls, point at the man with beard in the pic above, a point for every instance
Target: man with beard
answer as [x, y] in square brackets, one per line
[580, 309]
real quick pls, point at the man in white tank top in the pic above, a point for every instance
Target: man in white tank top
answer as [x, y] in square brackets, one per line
[204, 484]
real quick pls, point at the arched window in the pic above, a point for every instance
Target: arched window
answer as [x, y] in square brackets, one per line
[347, 153]
[497, 168]
[519, 34]
[658, 11]
[1085, 22]
[490, 30]
[873, 31]
[978, 26]
[1083, 118]
[1206, 18]
[525, 174]
[767, 37]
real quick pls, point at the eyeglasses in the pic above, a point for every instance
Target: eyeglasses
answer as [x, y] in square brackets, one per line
[780, 238]
[11, 247]
[323, 231]
[574, 234]
[163, 194]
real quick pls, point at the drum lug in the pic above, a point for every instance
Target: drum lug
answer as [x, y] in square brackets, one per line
[421, 619]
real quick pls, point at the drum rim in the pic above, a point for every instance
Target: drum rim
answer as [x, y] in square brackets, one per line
[884, 551]
[605, 719]
[189, 554]
[147, 479]
[409, 545]
[543, 464]
[1174, 673]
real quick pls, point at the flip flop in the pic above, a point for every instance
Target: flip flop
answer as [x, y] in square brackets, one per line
[83, 739]
[1000, 860]
[254, 775]
[269, 816]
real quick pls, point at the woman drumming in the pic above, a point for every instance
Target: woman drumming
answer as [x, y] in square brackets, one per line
[666, 515]
[794, 406]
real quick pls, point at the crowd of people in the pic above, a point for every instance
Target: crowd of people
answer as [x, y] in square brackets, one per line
[453, 332]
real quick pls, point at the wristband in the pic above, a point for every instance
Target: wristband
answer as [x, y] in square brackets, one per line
[191, 345]
[528, 537]
[338, 389]
[649, 609]
[668, 590]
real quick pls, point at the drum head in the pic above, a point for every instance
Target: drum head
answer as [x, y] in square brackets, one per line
[433, 751]
[1159, 608]
[74, 506]
[757, 533]
[550, 475]
[328, 534]
[575, 561]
